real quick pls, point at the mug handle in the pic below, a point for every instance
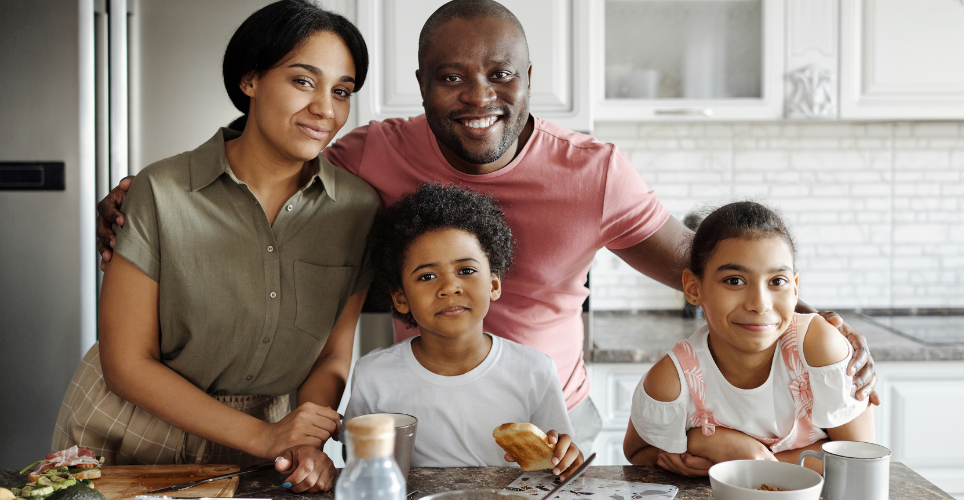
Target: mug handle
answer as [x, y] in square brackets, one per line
[810, 453]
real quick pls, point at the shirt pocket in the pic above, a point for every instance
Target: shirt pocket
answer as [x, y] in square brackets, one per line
[320, 294]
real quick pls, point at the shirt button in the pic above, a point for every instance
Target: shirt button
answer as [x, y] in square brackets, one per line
[248, 378]
[273, 295]
[266, 340]
[289, 208]
[270, 248]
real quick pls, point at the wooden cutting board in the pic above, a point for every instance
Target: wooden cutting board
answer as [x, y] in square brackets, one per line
[127, 481]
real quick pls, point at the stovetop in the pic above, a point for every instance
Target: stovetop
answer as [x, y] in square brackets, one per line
[935, 328]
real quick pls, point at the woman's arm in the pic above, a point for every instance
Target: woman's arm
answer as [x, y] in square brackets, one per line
[130, 354]
[326, 382]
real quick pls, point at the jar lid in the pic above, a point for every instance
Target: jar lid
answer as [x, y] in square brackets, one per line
[371, 435]
[371, 426]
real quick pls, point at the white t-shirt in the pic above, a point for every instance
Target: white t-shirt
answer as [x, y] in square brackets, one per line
[767, 411]
[456, 415]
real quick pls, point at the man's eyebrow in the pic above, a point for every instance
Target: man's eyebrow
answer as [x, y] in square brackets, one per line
[742, 269]
[315, 71]
[458, 65]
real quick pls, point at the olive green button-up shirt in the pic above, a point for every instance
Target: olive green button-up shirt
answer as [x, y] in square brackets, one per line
[245, 307]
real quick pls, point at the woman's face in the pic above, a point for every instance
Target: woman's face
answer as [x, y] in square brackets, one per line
[298, 105]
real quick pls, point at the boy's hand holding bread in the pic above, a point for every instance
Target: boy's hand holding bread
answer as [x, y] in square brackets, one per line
[535, 450]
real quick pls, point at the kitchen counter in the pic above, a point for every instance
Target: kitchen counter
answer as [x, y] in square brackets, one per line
[905, 484]
[625, 337]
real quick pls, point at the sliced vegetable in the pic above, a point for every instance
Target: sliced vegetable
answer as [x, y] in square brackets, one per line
[25, 469]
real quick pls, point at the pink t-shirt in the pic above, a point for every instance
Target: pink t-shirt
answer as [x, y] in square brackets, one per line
[565, 196]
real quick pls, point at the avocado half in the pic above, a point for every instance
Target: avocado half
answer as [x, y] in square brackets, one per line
[77, 492]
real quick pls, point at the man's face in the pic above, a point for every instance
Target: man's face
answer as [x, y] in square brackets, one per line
[474, 81]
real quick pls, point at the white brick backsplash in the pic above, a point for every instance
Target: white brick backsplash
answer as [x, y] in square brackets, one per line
[877, 209]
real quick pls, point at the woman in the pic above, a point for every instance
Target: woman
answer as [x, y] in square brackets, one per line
[239, 274]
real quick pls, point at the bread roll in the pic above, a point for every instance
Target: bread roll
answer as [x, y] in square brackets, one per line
[527, 444]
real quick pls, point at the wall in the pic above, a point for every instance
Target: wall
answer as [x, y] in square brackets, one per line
[40, 283]
[877, 208]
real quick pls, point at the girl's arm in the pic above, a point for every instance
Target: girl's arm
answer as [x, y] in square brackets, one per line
[130, 355]
[662, 383]
[824, 346]
[858, 429]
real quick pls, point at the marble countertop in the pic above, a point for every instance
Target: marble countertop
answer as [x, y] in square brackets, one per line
[905, 484]
[645, 337]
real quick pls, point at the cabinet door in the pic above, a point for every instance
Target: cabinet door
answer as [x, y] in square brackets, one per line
[922, 402]
[612, 388]
[672, 60]
[608, 448]
[902, 60]
[559, 47]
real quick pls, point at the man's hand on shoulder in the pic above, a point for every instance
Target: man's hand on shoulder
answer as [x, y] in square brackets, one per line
[108, 214]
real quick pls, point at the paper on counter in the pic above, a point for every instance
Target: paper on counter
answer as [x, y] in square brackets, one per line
[537, 484]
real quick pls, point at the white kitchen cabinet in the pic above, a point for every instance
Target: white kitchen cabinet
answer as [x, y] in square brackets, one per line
[611, 388]
[559, 49]
[919, 421]
[901, 59]
[688, 60]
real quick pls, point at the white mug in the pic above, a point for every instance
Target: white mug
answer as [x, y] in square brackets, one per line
[853, 470]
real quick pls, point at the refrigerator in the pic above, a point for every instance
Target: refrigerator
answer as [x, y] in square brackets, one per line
[105, 87]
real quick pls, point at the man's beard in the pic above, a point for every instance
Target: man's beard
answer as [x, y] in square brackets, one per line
[444, 129]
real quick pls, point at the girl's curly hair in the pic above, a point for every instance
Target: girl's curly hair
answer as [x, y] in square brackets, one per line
[434, 206]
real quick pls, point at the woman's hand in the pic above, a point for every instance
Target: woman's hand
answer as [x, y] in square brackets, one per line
[308, 425]
[861, 365]
[309, 469]
[108, 211]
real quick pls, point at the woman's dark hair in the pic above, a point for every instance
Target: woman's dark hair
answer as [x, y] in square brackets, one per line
[741, 219]
[271, 33]
[434, 206]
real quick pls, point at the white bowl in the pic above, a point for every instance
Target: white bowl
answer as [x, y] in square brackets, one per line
[738, 480]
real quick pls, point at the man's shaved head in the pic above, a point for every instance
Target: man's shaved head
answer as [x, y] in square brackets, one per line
[465, 9]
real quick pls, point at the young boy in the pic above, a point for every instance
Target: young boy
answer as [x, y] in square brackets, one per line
[440, 254]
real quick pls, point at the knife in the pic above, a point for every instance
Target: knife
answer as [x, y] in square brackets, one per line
[184, 486]
[576, 473]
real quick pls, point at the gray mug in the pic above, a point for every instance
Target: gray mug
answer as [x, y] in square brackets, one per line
[853, 470]
[405, 426]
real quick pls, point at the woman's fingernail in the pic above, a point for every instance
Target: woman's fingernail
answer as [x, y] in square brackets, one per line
[286, 484]
[277, 458]
[555, 461]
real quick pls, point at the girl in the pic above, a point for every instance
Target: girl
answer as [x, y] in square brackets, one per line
[240, 272]
[758, 381]
[440, 254]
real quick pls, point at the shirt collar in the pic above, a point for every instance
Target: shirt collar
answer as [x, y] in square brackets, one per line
[209, 161]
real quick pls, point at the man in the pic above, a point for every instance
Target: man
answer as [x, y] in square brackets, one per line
[565, 195]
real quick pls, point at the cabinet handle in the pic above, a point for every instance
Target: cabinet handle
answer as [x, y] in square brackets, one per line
[685, 112]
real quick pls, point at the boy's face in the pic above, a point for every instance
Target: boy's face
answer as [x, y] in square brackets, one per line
[446, 283]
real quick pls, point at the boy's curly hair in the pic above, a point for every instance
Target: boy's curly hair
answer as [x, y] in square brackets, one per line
[434, 206]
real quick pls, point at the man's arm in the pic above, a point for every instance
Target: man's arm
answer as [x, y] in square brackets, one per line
[665, 254]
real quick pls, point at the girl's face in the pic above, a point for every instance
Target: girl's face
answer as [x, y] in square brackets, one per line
[748, 291]
[299, 105]
[446, 283]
